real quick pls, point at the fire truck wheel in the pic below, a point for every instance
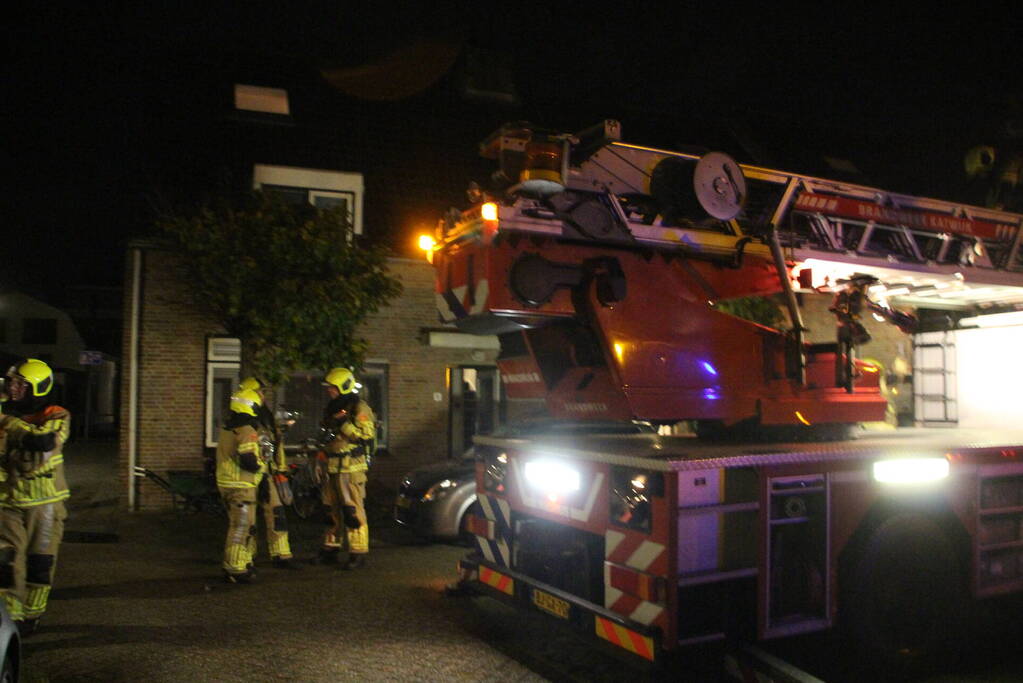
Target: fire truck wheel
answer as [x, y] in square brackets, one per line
[903, 600]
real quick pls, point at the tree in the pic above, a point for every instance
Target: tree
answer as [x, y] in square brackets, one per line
[289, 280]
[758, 309]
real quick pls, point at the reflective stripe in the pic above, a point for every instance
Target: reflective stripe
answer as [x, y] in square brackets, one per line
[35, 603]
[625, 638]
[14, 607]
[358, 539]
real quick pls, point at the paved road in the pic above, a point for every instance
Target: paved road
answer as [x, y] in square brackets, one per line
[149, 607]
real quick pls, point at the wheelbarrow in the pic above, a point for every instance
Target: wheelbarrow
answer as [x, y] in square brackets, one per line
[190, 491]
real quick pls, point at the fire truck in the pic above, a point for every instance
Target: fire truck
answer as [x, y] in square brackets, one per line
[602, 266]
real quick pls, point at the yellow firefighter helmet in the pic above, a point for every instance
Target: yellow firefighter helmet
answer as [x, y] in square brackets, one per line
[343, 379]
[245, 401]
[37, 373]
[251, 383]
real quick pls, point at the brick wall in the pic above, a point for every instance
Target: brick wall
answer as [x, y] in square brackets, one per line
[418, 423]
[172, 375]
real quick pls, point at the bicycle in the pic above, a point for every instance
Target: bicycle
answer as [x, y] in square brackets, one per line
[306, 477]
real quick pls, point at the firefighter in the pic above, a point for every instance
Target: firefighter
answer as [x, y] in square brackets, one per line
[274, 491]
[349, 430]
[32, 492]
[243, 456]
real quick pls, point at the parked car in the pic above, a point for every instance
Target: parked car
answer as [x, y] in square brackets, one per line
[433, 500]
[10, 648]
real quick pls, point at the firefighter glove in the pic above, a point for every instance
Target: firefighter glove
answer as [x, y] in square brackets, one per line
[248, 462]
[351, 519]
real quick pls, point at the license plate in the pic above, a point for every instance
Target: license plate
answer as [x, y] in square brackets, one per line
[403, 502]
[550, 604]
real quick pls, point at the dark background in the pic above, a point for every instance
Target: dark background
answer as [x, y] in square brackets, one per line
[103, 105]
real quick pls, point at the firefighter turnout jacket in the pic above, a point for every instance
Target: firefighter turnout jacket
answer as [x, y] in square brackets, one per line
[242, 455]
[34, 464]
[353, 434]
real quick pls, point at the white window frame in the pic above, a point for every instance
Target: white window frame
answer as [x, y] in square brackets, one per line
[316, 183]
[218, 359]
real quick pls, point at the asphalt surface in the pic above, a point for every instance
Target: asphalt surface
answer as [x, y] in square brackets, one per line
[139, 598]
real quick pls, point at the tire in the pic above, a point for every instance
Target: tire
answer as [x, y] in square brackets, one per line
[904, 597]
[9, 672]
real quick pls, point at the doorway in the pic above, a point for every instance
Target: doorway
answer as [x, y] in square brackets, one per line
[475, 405]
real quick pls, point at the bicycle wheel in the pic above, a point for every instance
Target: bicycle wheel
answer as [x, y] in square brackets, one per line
[306, 495]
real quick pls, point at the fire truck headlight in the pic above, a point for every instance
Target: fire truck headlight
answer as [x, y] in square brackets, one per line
[910, 470]
[549, 476]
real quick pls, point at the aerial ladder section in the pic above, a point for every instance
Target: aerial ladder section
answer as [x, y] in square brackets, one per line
[601, 265]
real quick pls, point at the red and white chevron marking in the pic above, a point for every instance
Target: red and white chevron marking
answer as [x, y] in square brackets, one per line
[639, 610]
[635, 550]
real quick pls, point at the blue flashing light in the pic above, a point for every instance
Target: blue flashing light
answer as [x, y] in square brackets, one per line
[709, 368]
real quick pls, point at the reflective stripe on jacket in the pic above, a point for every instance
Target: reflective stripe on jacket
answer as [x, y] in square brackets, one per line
[34, 461]
[231, 444]
[361, 426]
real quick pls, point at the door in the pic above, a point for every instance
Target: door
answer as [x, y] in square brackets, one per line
[475, 401]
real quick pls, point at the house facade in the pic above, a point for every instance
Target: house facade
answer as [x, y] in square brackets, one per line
[180, 369]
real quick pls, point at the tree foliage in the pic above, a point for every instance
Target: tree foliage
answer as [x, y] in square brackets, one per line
[288, 280]
[758, 309]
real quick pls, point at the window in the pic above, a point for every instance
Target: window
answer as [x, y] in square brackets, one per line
[374, 390]
[323, 189]
[304, 394]
[223, 356]
[39, 331]
[260, 99]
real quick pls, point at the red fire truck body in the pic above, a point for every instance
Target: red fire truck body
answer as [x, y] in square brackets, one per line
[601, 266]
[654, 542]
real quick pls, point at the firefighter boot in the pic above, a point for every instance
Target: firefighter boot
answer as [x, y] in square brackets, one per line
[27, 627]
[243, 578]
[285, 563]
[327, 556]
[355, 561]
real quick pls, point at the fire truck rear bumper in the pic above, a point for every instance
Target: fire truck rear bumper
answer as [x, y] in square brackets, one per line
[586, 617]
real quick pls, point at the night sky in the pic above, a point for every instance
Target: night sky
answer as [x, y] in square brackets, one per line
[900, 94]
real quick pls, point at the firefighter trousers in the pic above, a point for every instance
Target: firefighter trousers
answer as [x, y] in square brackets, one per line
[340, 490]
[29, 540]
[240, 545]
[275, 521]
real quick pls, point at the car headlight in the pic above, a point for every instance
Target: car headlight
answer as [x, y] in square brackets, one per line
[439, 490]
[494, 472]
